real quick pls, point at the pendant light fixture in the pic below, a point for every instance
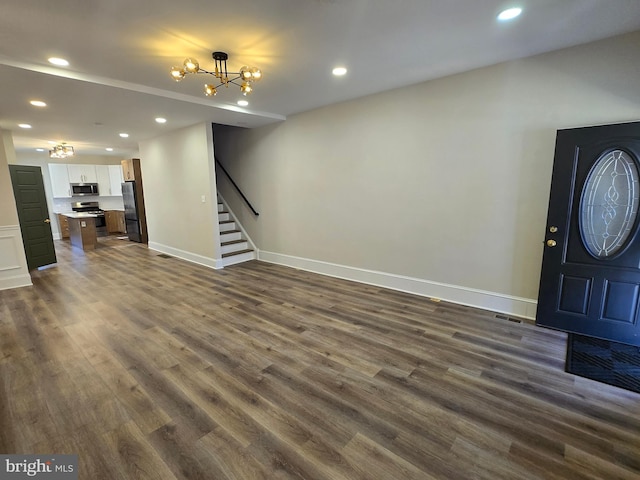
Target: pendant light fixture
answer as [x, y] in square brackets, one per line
[244, 79]
[61, 151]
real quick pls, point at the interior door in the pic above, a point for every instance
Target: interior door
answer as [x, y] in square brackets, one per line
[590, 281]
[28, 190]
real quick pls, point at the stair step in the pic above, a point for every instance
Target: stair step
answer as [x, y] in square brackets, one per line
[230, 236]
[227, 225]
[231, 242]
[233, 246]
[239, 252]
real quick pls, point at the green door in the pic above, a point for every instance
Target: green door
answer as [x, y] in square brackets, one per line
[28, 189]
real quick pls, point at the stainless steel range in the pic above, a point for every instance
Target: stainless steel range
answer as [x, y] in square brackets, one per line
[93, 208]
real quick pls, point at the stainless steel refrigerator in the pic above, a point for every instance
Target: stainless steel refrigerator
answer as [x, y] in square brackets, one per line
[132, 214]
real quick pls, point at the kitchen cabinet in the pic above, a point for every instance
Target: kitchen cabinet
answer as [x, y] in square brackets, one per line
[131, 169]
[82, 231]
[114, 220]
[63, 222]
[109, 180]
[59, 180]
[115, 180]
[104, 182]
[82, 173]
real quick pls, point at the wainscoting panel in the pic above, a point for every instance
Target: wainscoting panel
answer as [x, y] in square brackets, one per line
[13, 263]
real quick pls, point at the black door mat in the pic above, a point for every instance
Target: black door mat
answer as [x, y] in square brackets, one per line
[604, 361]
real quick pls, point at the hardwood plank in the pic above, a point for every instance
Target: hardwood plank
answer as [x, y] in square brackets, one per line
[151, 367]
[136, 456]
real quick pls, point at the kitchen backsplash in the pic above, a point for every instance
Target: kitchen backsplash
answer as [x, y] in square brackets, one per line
[106, 203]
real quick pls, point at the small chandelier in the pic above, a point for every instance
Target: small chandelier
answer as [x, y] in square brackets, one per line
[244, 79]
[61, 151]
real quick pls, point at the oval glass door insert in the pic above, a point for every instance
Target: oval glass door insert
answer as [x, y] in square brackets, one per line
[609, 204]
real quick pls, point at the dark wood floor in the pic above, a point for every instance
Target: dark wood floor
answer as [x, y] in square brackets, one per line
[154, 368]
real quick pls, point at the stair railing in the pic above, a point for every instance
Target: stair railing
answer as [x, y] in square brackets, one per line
[236, 187]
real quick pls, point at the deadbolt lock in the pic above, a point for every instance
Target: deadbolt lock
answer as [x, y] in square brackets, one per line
[553, 229]
[551, 243]
[47, 221]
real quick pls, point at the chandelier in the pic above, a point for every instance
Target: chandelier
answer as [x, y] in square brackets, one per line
[61, 151]
[244, 79]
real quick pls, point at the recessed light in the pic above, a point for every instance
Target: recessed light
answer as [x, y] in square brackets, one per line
[243, 103]
[51, 142]
[24, 125]
[509, 14]
[39, 149]
[61, 62]
[38, 103]
[124, 135]
[161, 120]
[339, 71]
[109, 149]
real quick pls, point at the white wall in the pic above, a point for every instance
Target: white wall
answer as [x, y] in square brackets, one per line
[13, 262]
[440, 188]
[55, 205]
[177, 171]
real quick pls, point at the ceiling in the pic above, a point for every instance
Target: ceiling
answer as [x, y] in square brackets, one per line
[121, 51]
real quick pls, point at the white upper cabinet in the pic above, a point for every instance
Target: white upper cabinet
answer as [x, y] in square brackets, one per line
[109, 180]
[59, 180]
[82, 173]
[116, 179]
[104, 182]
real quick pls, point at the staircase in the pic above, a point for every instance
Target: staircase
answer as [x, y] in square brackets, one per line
[233, 242]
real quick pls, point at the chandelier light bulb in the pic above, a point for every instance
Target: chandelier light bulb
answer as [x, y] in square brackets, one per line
[210, 90]
[256, 74]
[191, 65]
[245, 73]
[246, 88]
[177, 74]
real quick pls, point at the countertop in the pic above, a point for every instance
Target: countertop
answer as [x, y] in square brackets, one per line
[79, 215]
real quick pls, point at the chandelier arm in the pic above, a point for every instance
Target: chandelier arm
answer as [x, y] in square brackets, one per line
[233, 80]
[218, 85]
[202, 70]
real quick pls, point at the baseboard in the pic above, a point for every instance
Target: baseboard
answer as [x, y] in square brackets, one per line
[188, 256]
[15, 282]
[496, 302]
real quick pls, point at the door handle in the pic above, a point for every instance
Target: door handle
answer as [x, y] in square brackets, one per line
[551, 243]
[47, 220]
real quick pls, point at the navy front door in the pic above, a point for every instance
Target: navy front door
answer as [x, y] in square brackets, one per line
[590, 281]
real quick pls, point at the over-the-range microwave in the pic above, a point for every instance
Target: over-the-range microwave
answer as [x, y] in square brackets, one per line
[84, 189]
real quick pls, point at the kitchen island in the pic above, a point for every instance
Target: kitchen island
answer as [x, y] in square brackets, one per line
[82, 230]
